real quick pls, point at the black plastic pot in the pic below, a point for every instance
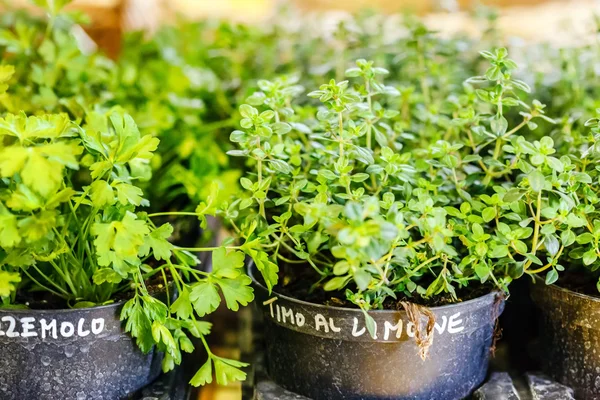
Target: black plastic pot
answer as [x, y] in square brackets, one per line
[74, 354]
[570, 337]
[325, 353]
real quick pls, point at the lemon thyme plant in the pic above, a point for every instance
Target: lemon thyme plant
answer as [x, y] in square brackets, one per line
[373, 216]
[73, 233]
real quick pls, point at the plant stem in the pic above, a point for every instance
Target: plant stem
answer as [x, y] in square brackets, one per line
[536, 230]
[202, 249]
[51, 281]
[260, 201]
[515, 129]
[44, 287]
[341, 134]
[420, 266]
[167, 213]
[545, 267]
[368, 89]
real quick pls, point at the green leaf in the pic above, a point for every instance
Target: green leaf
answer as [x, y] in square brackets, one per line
[567, 237]
[488, 214]
[499, 251]
[107, 275]
[227, 264]
[362, 279]
[267, 268]
[585, 238]
[168, 363]
[370, 324]
[247, 111]
[9, 232]
[138, 324]
[204, 297]
[590, 256]
[513, 195]
[155, 309]
[499, 126]
[551, 277]
[157, 241]
[536, 180]
[236, 291]
[482, 271]
[129, 194]
[8, 281]
[118, 243]
[336, 283]
[204, 374]
[102, 194]
[6, 72]
[185, 344]
[199, 328]
[12, 160]
[555, 164]
[227, 370]
[42, 175]
[161, 334]
[552, 245]
[182, 306]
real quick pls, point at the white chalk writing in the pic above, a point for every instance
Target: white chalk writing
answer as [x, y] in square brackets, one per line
[29, 327]
[391, 328]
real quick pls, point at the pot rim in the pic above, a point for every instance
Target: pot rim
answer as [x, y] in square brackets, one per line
[58, 310]
[542, 285]
[252, 268]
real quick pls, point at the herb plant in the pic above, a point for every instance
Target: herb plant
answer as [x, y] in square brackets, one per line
[72, 227]
[382, 216]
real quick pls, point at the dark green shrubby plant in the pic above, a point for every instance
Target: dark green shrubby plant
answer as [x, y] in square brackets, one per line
[384, 216]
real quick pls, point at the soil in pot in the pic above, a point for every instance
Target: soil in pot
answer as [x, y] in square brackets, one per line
[325, 352]
[570, 335]
[70, 354]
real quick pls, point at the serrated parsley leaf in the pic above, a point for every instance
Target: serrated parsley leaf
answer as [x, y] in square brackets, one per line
[8, 281]
[102, 194]
[205, 297]
[204, 374]
[182, 306]
[157, 241]
[236, 291]
[9, 232]
[118, 243]
[227, 264]
[227, 370]
[129, 194]
[108, 275]
[138, 324]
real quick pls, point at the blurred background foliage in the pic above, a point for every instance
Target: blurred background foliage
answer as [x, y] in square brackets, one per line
[527, 19]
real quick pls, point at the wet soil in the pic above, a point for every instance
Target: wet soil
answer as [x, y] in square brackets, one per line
[304, 287]
[579, 280]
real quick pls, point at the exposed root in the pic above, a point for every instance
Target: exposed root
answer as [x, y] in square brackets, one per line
[495, 317]
[423, 335]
